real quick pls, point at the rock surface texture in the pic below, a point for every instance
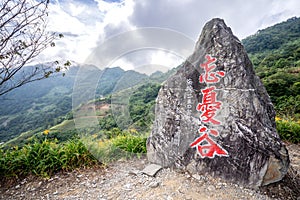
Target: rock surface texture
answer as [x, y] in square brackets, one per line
[214, 116]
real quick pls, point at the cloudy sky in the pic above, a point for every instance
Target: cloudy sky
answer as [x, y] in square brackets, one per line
[90, 24]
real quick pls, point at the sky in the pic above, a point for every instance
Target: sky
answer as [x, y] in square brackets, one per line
[109, 28]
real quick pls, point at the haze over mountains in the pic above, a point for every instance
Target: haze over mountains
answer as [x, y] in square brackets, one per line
[42, 104]
[275, 53]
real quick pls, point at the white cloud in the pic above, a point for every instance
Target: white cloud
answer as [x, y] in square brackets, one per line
[115, 11]
[147, 61]
[188, 17]
[116, 17]
[166, 59]
[87, 24]
[79, 32]
[280, 11]
[124, 63]
[83, 25]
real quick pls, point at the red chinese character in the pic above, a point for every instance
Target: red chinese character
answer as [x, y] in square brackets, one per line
[212, 131]
[206, 146]
[209, 106]
[208, 76]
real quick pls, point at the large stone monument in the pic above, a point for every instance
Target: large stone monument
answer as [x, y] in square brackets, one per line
[214, 115]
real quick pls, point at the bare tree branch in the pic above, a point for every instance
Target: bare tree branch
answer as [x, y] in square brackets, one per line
[23, 37]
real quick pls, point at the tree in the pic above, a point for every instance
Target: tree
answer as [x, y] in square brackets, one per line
[23, 37]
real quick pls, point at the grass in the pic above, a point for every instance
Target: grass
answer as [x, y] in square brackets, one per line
[288, 130]
[43, 158]
[46, 155]
[21, 139]
[117, 145]
[64, 126]
[131, 143]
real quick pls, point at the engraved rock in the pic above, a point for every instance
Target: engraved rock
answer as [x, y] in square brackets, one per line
[214, 115]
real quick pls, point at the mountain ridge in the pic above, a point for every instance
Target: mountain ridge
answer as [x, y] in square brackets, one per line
[278, 68]
[28, 107]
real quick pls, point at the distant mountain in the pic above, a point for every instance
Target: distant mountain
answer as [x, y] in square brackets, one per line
[42, 104]
[109, 79]
[116, 79]
[273, 37]
[274, 51]
[275, 54]
[37, 104]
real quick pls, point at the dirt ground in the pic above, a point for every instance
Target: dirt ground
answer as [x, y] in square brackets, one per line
[123, 180]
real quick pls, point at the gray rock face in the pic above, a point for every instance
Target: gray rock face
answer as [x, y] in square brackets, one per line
[214, 116]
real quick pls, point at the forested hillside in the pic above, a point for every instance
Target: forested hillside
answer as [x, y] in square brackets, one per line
[36, 105]
[40, 105]
[275, 53]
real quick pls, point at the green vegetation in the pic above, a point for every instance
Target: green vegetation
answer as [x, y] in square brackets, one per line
[37, 105]
[43, 104]
[61, 135]
[288, 130]
[50, 152]
[110, 143]
[131, 143]
[108, 122]
[275, 53]
[274, 37]
[58, 147]
[63, 148]
[109, 79]
[43, 158]
[124, 144]
[141, 106]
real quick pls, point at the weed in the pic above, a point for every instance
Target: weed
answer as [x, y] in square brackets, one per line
[288, 130]
[43, 158]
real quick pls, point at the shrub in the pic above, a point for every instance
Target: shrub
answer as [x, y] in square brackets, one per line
[119, 146]
[288, 130]
[131, 143]
[43, 158]
[104, 150]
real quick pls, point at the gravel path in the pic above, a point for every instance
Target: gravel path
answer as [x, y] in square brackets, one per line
[122, 180]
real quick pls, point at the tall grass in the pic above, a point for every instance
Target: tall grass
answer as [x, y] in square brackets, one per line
[121, 146]
[288, 130]
[44, 158]
[131, 143]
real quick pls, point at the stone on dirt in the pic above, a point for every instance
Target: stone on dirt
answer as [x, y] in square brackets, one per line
[151, 169]
[214, 116]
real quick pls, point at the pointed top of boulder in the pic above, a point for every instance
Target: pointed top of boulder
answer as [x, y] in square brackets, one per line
[215, 116]
[215, 28]
[218, 40]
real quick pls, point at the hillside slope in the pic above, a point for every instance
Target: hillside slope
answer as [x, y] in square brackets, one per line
[123, 180]
[275, 53]
[40, 105]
